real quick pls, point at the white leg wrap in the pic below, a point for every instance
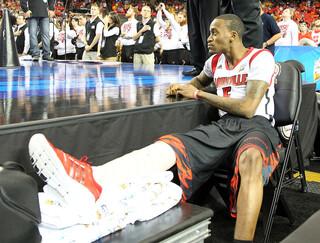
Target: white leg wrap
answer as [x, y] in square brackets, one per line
[156, 157]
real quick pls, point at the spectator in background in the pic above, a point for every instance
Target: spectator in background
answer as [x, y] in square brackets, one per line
[92, 32]
[21, 35]
[316, 32]
[82, 19]
[38, 16]
[304, 32]
[170, 38]
[78, 39]
[102, 14]
[107, 49]
[53, 33]
[184, 38]
[289, 30]
[65, 48]
[271, 31]
[147, 36]
[128, 30]
[305, 38]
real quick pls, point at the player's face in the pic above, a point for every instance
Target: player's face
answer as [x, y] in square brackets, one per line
[220, 36]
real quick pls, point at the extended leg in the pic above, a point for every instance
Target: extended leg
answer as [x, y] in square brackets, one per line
[76, 181]
[250, 194]
[153, 158]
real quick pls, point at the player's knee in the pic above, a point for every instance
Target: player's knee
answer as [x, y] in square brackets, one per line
[250, 164]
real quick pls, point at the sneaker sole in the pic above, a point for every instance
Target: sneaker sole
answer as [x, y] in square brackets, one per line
[49, 167]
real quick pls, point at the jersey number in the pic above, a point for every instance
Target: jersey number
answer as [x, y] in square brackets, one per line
[226, 91]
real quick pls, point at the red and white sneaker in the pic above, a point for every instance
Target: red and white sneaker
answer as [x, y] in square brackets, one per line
[71, 177]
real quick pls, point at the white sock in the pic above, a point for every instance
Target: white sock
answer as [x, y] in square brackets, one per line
[156, 157]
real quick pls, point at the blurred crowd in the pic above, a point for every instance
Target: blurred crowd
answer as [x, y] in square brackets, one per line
[69, 24]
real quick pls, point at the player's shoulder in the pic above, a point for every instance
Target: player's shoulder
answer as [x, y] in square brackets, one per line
[260, 55]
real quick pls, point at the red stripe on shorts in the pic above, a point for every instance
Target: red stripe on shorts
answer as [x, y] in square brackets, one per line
[267, 161]
[183, 165]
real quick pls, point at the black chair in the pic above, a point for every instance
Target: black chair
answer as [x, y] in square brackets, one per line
[287, 98]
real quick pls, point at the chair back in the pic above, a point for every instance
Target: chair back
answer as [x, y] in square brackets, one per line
[288, 92]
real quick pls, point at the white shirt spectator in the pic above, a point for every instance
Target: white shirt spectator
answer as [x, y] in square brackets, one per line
[61, 47]
[130, 28]
[80, 31]
[171, 37]
[289, 34]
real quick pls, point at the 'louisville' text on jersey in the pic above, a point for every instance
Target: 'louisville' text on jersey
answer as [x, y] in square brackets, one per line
[240, 79]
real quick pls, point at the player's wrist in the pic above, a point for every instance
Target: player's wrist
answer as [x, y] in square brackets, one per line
[266, 43]
[196, 93]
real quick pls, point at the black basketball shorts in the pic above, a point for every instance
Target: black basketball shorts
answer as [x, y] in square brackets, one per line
[202, 150]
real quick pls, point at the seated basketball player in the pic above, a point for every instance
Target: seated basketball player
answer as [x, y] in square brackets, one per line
[244, 79]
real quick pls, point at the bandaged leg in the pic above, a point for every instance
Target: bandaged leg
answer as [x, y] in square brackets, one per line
[156, 157]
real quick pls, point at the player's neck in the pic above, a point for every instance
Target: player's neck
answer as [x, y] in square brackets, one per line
[235, 55]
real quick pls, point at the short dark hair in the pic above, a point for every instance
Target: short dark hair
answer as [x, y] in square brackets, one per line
[233, 23]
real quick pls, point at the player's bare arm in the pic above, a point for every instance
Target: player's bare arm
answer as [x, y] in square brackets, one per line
[246, 107]
[199, 82]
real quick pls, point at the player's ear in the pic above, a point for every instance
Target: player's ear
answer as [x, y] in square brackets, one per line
[233, 36]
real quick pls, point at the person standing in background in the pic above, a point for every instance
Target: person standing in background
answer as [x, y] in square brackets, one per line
[249, 12]
[80, 30]
[170, 38]
[316, 32]
[107, 49]
[200, 13]
[305, 38]
[128, 30]
[289, 30]
[78, 39]
[21, 35]
[147, 36]
[37, 13]
[271, 31]
[65, 49]
[92, 33]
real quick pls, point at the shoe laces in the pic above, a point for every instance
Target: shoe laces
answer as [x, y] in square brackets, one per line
[77, 170]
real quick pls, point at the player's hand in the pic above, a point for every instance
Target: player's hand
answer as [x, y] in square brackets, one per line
[172, 89]
[186, 90]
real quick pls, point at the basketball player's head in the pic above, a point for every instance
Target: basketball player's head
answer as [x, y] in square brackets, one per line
[225, 30]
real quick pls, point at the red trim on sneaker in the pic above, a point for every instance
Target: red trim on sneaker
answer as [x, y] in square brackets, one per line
[79, 170]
